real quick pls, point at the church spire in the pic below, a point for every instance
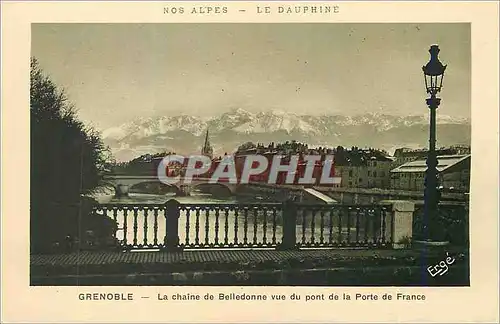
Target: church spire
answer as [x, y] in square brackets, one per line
[207, 148]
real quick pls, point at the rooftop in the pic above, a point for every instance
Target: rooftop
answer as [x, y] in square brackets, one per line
[444, 162]
[451, 150]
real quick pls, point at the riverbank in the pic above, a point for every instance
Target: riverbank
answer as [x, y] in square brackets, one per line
[337, 267]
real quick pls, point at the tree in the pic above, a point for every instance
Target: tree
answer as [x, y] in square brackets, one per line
[68, 160]
[246, 146]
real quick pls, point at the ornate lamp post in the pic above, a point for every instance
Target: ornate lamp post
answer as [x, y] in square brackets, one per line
[433, 74]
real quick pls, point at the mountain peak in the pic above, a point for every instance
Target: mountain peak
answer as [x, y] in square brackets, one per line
[239, 111]
[236, 126]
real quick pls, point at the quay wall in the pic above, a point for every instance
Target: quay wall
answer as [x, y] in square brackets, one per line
[343, 195]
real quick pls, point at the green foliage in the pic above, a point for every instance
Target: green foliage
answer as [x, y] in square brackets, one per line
[68, 158]
[144, 164]
[451, 224]
[406, 241]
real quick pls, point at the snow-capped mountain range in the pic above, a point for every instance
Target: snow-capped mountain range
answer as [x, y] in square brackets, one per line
[184, 133]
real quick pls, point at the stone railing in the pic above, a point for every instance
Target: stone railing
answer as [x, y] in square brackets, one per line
[286, 226]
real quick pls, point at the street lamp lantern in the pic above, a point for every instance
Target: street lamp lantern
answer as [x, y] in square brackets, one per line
[434, 72]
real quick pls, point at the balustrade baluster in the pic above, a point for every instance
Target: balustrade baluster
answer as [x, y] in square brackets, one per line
[125, 227]
[322, 225]
[384, 215]
[358, 211]
[188, 212]
[330, 227]
[348, 215]
[274, 226]
[104, 213]
[216, 225]
[303, 211]
[226, 226]
[255, 224]
[135, 226]
[339, 212]
[245, 226]
[375, 224]
[115, 219]
[236, 226]
[367, 214]
[207, 226]
[313, 225]
[145, 240]
[166, 227]
[155, 228]
[264, 227]
[197, 228]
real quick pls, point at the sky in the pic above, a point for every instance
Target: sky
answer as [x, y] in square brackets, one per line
[115, 73]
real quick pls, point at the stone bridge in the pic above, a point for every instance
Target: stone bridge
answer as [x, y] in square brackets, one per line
[123, 183]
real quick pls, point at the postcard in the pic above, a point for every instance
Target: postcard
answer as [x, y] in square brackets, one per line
[250, 161]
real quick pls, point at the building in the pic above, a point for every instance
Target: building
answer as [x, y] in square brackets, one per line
[358, 168]
[372, 170]
[404, 155]
[281, 176]
[453, 173]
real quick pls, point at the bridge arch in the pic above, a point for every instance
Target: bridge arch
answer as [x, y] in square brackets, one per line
[214, 188]
[123, 184]
[152, 185]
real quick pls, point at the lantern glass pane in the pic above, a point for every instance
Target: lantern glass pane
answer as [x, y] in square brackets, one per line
[441, 77]
[426, 82]
[433, 83]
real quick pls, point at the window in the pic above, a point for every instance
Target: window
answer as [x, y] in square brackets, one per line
[382, 173]
[374, 173]
[350, 173]
[374, 163]
[360, 180]
[369, 173]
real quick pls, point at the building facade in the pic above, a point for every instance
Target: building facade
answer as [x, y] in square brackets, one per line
[374, 172]
[453, 173]
[357, 168]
